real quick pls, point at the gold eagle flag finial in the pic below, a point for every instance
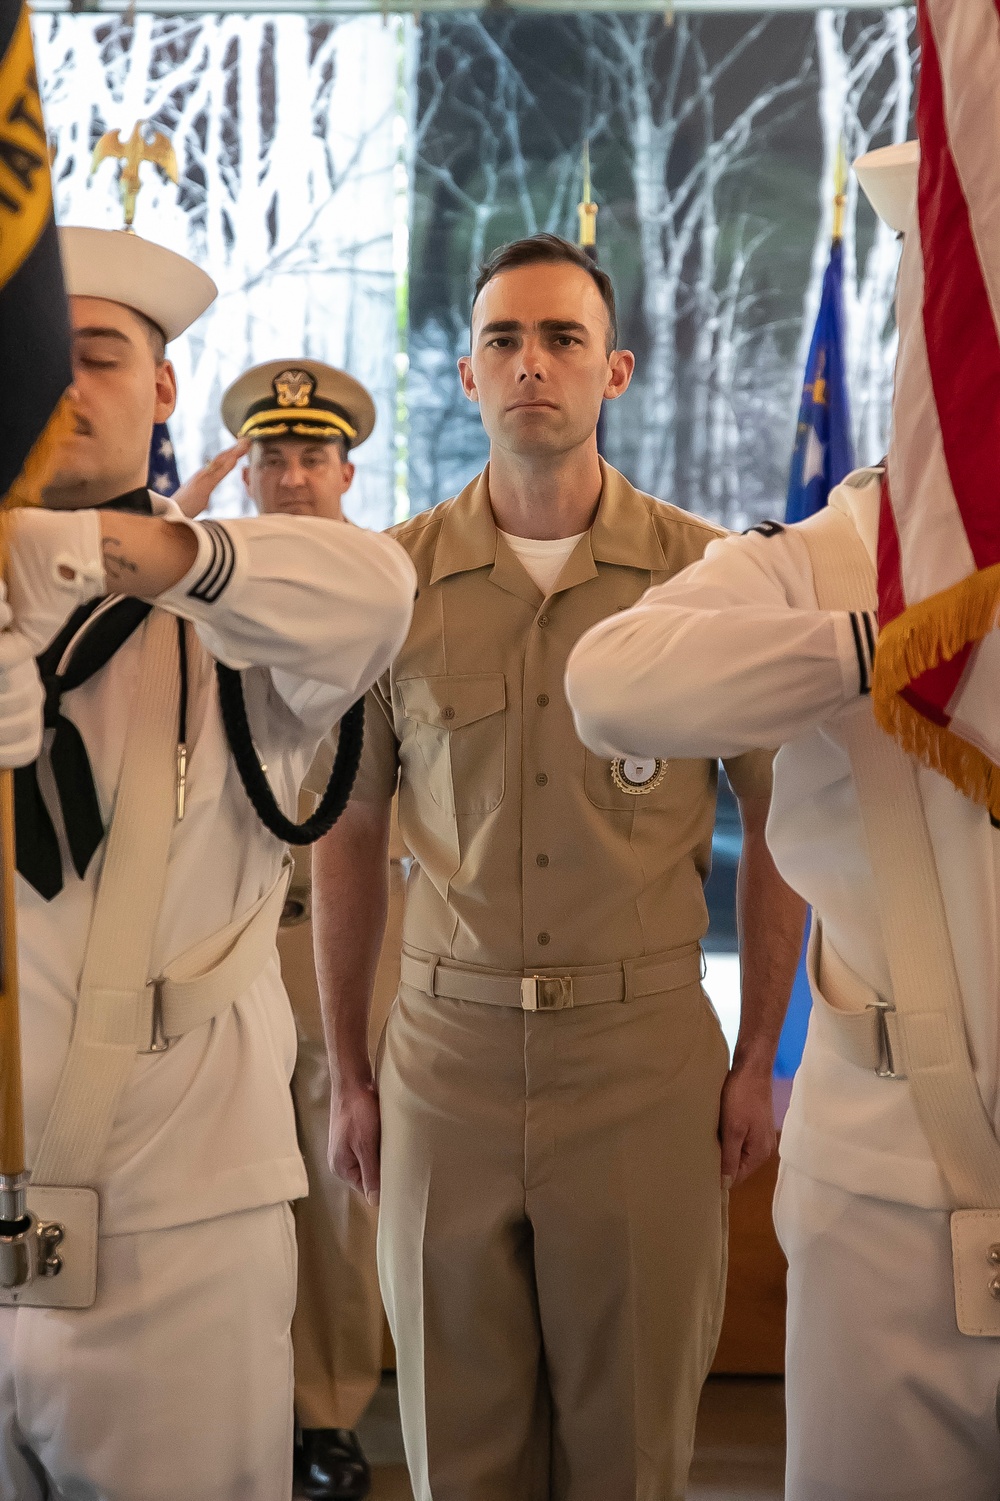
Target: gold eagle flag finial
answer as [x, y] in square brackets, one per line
[132, 153]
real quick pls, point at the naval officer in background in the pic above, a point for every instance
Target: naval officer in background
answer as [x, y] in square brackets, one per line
[544, 1127]
[301, 421]
[138, 864]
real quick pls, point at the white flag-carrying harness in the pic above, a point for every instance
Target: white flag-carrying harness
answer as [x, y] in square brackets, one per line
[914, 1038]
[938, 660]
[123, 1007]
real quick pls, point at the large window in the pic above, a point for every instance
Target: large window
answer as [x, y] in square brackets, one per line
[341, 178]
[714, 143]
[286, 139]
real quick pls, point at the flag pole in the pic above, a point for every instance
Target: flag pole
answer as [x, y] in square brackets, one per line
[18, 1228]
[11, 1084]
[18, 1256]
[18, 1252]
[840, 180]
[587, 209]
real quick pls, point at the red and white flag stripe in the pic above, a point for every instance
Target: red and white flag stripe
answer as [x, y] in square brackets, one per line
[939, 544]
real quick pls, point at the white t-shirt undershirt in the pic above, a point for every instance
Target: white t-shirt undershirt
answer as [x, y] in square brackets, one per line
[543, 561]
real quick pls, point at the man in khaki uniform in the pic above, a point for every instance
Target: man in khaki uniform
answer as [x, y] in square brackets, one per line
[553, 1222]
[337, 1329]
[299, 421]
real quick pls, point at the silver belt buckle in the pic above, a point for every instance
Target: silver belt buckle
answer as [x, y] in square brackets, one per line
[159, 1042]
[885, 1068]
[546, 992]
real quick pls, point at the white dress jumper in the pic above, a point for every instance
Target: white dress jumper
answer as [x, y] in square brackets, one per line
[177, 1382]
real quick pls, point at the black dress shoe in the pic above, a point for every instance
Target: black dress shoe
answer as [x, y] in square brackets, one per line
[331, 1465]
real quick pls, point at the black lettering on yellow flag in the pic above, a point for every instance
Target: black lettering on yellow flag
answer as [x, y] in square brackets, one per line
[35, 367]
[25, 186]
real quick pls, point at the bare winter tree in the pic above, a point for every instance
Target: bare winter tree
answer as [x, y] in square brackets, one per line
[718, 248]
[497, 156]
[283, 129]
[684, 148]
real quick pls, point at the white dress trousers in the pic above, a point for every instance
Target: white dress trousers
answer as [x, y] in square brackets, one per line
[887, 1401]
[175, 1386]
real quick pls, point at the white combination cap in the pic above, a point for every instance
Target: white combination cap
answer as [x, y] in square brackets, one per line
[119, 266]
[888, 178]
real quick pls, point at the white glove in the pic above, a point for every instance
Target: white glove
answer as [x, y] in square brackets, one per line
[53, 564]
[21, 695]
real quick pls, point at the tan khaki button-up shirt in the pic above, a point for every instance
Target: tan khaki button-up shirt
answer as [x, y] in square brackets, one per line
[527, 855]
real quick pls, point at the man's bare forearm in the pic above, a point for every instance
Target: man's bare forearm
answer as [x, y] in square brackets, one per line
[144, 555]
[350, 903]
[771, 919]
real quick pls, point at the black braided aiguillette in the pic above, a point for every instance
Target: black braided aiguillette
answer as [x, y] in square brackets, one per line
[258, 789]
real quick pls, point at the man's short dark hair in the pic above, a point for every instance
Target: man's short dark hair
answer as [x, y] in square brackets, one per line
[546, 249]
[154, 333]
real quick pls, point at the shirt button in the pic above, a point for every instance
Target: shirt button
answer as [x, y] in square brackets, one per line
[541, 779]
[543, 938]
[542, 860]
[448, 713]
[542, 700]
[543, 621]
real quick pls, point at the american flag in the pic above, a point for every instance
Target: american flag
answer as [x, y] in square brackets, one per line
[163, 477]
[938, 660]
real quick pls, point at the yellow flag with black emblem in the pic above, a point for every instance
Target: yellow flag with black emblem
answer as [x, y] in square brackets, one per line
[35, 364]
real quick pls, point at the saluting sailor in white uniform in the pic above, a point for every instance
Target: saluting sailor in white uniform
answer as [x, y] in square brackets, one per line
[299, 422]
[886, 1397]
[177, 1381]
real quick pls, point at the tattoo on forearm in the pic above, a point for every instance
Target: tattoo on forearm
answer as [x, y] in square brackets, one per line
[116, 564]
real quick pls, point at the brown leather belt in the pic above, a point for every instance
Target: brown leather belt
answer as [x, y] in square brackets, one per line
[547, 992]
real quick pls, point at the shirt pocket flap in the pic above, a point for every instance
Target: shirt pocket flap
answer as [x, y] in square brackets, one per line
[451, 701]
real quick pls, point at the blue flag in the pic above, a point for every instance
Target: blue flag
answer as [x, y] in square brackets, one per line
[824, 451]
[824, 454]
[163, 477]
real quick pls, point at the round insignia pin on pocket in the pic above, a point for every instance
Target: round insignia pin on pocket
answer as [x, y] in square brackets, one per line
[636, 777]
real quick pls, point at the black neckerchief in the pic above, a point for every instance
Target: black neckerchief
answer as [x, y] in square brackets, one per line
[91, 647]
[139, 502]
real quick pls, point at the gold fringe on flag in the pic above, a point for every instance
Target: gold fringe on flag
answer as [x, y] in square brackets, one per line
[926, 634]
[28, 488]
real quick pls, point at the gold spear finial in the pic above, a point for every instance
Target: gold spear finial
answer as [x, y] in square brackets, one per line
[840, 180]
[588, 209]
[132, 154]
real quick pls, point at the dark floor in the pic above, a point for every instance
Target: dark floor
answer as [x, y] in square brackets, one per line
[739, 1451]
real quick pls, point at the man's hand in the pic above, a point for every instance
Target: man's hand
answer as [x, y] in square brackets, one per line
[355, 1139]
[771, 918]
[53, 563]
[746, 1122]
[194, 496]
[21, 694]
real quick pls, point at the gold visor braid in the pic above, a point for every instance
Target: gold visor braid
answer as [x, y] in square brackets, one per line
[281, 419]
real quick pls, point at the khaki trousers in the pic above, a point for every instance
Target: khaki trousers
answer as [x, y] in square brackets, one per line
[552, 1243]
[338, 1325]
